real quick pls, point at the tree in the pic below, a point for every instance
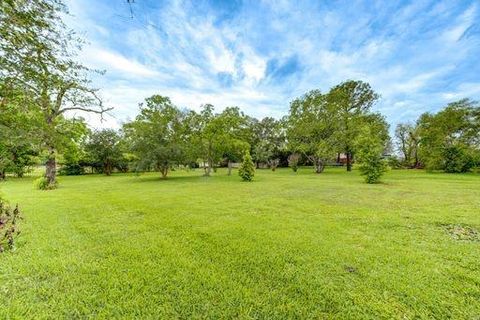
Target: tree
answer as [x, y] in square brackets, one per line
[269, 141]
[351, 100]
[450, 139]
[38, 56]
[247, 168]
[156, 135]
[407, 143]
[369, 154]
[218, 136]
[103, 149]
[310, 128]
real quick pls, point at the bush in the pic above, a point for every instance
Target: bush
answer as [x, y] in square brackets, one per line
[71, 170]
[42, 184]
[457, 159]
[247, 168]
[395, 163]
[293, 161]
[8, 226]
[369, 156]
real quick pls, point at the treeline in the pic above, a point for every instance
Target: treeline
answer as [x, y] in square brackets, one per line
[318, 129]
[42, 86]
[448, 140]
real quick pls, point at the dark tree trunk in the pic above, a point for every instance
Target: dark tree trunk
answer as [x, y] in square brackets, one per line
[51, 167]
[349, 161]
[2, 175]
[229, 167]
[107, 168]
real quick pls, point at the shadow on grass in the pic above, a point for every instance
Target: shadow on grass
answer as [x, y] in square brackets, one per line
[173, 178]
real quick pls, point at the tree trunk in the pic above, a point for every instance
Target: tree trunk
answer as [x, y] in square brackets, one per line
[209, 168]
[107, 168]
[319, 166]
[2, 175]
[51, 167]
[229, 167]
[349, 161]
[164, 171]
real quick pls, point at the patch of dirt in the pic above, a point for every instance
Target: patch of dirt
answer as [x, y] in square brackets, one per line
[350, 269]
[462, 232]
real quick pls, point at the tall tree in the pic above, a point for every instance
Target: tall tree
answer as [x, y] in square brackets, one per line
[38, 53]
[450, 139]
[218, 135]
[408, 141]
[311, 127]
[351, 100]
[270, 141]
[156, 135]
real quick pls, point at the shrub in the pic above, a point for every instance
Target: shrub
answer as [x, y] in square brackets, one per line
[71, 170]
[395, 163]
[273, 163]
[369, 156]
[457, 159]
[42, 184]
[293, 161]
[247, 168]
[8, 226]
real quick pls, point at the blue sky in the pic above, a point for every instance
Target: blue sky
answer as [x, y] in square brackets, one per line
[259, 55]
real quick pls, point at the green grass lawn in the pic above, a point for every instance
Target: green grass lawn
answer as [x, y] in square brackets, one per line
[285, 246]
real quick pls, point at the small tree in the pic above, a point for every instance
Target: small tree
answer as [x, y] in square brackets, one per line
[273, 163]
[369, 156]
[293, 160]
[247, 168]
[8, 226]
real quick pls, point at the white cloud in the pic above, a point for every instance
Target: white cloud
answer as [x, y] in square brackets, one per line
[115, 62]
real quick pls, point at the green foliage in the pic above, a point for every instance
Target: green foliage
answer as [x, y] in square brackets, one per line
[247, 168]
[449, 139]
[37, 54]
[71, 169]
[350, 102]
[369, 155]
[457, 159]
[269, 141]
[214, 137]
[157, 137]
[311, 127]
[42, 183]
[103, 150]
[408, 141]
[8, 226]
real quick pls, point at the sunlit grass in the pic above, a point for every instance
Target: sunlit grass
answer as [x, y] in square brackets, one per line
[284, 246]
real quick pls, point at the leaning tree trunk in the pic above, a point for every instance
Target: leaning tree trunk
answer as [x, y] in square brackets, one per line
[51, 167]
[229, 167]
[319, 166]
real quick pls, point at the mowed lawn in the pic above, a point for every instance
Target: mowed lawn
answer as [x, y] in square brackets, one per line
[285, 246]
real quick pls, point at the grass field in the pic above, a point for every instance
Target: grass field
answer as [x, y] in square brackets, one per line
[285, 246]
